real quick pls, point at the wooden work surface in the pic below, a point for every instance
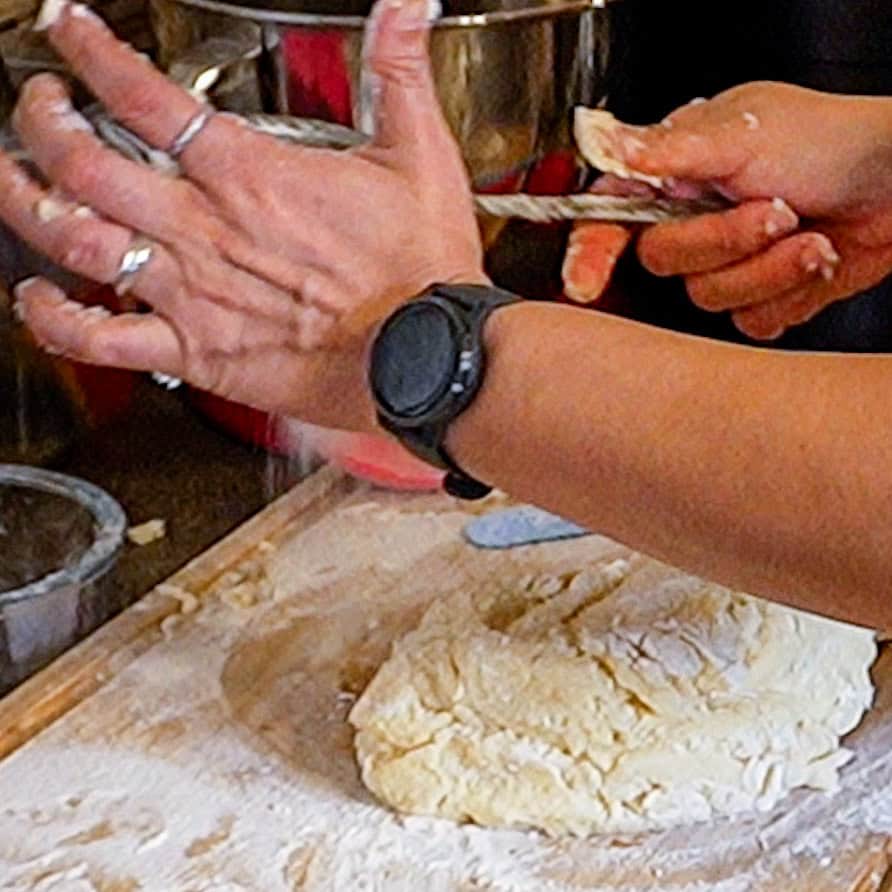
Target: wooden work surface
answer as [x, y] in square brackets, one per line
[208, 751]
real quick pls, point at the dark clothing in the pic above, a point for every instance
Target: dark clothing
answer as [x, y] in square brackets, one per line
[665, 54]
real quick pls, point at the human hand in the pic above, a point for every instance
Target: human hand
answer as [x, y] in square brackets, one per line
[269, 262]
[814, 223]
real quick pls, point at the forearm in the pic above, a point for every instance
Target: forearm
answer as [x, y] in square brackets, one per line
[764, 470]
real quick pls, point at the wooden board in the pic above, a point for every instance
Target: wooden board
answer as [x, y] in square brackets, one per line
[218, 757]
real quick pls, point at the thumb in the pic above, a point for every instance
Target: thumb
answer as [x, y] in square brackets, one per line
[698, 148]
[398, 88]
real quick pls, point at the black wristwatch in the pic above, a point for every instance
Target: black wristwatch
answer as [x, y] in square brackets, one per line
[427, 365]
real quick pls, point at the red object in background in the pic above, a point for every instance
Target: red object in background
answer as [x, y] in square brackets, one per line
[555, 174]
[104, 392]
[378, 459]
[251, 425]
[318, 80]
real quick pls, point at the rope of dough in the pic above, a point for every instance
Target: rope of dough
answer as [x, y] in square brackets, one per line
[533, 208]
[551, 208]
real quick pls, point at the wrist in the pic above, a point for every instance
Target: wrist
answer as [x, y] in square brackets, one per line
[467, 439]
[426, 367]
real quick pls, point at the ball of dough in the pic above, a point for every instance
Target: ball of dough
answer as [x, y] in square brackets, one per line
[620, 698]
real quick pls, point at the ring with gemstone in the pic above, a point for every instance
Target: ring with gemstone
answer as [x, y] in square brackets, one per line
[135, 258]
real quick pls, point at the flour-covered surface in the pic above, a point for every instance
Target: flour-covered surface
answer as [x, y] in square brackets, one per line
[220, 759]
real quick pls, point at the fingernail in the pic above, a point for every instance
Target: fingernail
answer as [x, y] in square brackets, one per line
[82, 11]
[48, 209]
[68, 118]
[21, 290]
[821, 257]
[49, 14]
[781, 219]
[828, 252]
[97, 311]
[409, 15]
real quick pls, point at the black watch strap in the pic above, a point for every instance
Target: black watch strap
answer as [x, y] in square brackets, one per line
[470, 306]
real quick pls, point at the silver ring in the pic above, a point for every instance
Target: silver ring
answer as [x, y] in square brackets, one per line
[190, 131]
[135, 258]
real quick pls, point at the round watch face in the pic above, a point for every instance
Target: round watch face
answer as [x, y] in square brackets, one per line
[414, 359]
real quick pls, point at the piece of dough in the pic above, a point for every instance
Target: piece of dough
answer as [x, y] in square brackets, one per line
[625, 697]
[594, 130]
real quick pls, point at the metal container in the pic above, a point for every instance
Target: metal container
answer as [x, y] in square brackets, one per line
[508, 72]
[59, 537]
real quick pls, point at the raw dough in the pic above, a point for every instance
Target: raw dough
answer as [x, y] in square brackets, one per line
[624, 697]
[594, 131]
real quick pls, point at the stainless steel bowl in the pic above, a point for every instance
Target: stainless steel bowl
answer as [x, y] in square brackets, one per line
[508, 72]
[62, 600]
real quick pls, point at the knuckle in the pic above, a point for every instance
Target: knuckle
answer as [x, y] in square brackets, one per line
[315, 290]
[99, 346]
[82, 252]
[141, 104]
[210, 373]
[655, 251]
[226, 240]
[702, 291]
[406, 68]
[79, 172]
[197, 368]
[33, 88]
[731, 233]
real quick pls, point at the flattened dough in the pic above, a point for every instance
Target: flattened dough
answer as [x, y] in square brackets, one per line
[624, 697]
[594, 130]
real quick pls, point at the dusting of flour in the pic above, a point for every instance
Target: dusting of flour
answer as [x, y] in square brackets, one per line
[152, 785]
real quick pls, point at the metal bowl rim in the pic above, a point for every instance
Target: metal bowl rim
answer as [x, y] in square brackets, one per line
[110, 520]
[356, 22]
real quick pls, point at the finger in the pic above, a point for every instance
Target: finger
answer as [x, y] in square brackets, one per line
[68, 233]
[62, 144]
[769, 320]
[134, 92]
[212, 338]
[711, 241]
[696, 147]
[73, 237]
[169, 211]
[592, 253]
[76, 239]
[858, 271]
[797, 261]
[93, 335]
[405, 105]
